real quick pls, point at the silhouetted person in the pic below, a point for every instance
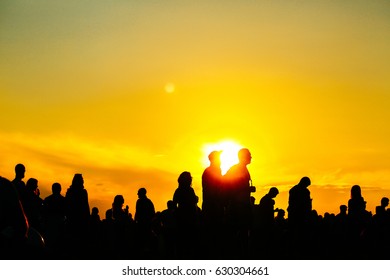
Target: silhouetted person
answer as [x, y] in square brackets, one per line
[212, 190]
[343, 211]
[341, 219]
[54, 209]
[356, 204]
[380, 230]
[144, 210]
[280, 218]
[95, 236]
[13, 223]
[54, 204]
[143, 217]
[300, 218]
[95, 217]
[358, 219]
[185, 199]
[267, 209]
[237, 182]
[384, 204]
[18, 182]
[33, 205]
[265, 230]
[118, 221]
[212, 205]
[169, 230]
[299, 203]
[78, 216]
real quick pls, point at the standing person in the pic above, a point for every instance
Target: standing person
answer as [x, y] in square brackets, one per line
[358, 221]
[212, 206]
[356, 204]
[299, 218]
[185, 199]
[78, 216]
[266, 223]
[143, 217]
[54, 219]
[238, 184]
[14, 227]
[19, 184]
[212, 189]
[300, 203]
[118, 230]
[33, 205]
[144, 211]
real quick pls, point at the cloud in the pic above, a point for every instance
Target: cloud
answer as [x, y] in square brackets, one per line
[108, 168]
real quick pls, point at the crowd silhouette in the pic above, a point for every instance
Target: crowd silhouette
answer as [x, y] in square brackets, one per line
[229, 225]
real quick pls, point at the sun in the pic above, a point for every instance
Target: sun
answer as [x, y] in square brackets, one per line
[229, 155]
[169, 88]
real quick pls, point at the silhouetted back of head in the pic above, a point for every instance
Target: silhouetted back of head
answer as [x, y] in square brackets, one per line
[20, 169]
[56, 188]
[356, 191]
[95, 211]
[384, 202]
[32, 184]
[171, 205]
[343, 208]
[78, 181]
[118, 201]
[185, 179]
[305, 181]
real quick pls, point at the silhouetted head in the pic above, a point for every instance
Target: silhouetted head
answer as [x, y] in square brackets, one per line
[109, 215]
[343, 208]
[356, 191]
[244, 156]
[118, 201]
[32, 184]
[78, 181]
[305, 182]
[384, 202]
[185, 179]
[215, 157]
[20, 170]
[171, 205]
[95, 211]
[56, 188]
[273, 192]
[141, 192]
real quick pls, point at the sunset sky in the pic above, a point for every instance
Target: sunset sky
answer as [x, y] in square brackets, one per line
[132, 93]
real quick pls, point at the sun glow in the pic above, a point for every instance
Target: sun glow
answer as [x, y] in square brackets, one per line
[228, 156]
[169, 88]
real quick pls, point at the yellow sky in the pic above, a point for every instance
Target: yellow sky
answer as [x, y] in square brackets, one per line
[303, 84]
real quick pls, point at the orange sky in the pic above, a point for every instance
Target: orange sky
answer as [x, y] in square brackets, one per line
[303, 84]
